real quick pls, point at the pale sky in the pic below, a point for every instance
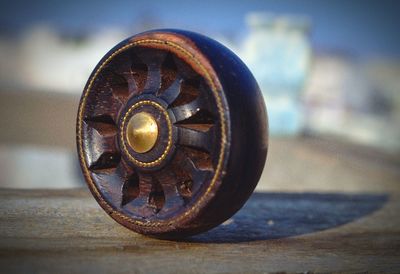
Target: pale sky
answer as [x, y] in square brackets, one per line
[360, 27]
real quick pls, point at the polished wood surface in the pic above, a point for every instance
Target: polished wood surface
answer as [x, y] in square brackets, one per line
[210, 147]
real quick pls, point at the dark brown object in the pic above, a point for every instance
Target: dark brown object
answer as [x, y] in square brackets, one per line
[212, 133]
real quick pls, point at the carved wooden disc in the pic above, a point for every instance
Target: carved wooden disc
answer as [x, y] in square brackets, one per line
[155, 138]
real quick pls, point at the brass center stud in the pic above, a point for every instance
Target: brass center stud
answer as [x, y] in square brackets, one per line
[142, 132]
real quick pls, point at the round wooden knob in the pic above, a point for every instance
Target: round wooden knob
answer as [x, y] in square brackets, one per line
[172, 133]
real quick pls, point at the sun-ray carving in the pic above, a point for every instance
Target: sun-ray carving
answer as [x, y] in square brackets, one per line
[172, 92]
[157, 196]
[190, 175]
[153, 62]
[168, 182]
[201, 160]
[104, 154]
[169, 79]
[105, 161]
[104, 104]
[202, 120]
[120, 86]
[101, 119]
[139, 74]
[189, 92]
[185, 188]
[168, 73]
[195, 139]
[130, 189]
[185, 111]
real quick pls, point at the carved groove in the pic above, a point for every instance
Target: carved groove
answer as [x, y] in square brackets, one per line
[168, 73]
[160, 74]
[190, 91]
[201, 159]
[185, 188]
[105, 118]
[202, 120]
[130, 189]
[139, 73]
[156, 197]
[119, 86]
[107, 160]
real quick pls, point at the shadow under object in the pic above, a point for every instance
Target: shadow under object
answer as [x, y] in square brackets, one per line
[280, 215]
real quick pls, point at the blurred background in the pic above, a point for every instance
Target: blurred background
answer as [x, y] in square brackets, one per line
[329, 72]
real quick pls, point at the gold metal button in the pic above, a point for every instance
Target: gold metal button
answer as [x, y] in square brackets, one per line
[142, 132]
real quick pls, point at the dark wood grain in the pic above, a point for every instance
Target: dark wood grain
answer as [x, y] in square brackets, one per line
[336, 209]
[64, 231]
[212, 139]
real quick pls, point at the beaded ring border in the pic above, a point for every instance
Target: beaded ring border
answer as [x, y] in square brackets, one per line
[218, 169]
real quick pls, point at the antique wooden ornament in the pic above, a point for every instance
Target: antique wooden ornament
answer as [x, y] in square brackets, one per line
[172, 133]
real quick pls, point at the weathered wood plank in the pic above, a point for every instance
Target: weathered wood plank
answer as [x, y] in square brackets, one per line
[326, 206]
[57, 231]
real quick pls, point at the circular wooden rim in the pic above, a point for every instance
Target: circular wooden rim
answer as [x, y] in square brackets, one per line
[201, 65]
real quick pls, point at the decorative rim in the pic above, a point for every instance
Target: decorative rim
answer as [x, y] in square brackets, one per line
[200, 65]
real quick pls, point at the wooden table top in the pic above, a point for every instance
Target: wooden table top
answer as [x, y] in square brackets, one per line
[334, 208]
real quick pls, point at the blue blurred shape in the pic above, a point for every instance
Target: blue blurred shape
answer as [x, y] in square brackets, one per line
[278, 51]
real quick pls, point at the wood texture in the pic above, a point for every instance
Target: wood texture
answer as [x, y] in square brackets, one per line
[212, 133]
[342, 216]
[66, 232]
